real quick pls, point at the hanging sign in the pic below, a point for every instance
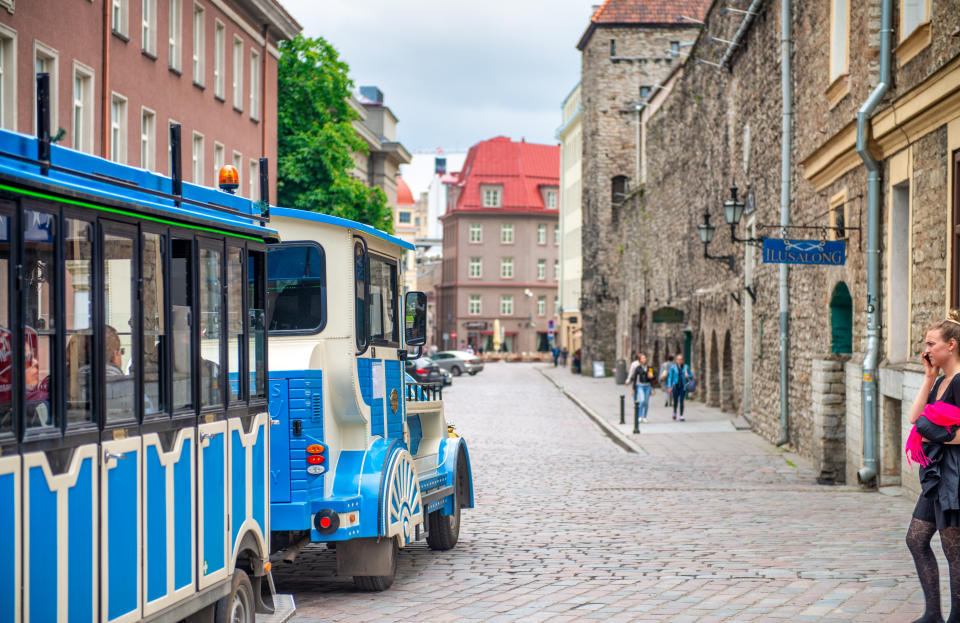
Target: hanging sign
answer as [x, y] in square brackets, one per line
[668, 314]
[822, 252]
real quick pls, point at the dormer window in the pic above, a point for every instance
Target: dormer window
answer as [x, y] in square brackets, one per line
[550, 198]
[492, 196]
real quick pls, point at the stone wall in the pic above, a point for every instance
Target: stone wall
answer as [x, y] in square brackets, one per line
[853, 372]
[828, 403]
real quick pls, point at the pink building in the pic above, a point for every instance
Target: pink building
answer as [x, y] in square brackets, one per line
[501, 248]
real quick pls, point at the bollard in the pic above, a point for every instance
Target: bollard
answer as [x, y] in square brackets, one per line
[636, 418]
[621, 408]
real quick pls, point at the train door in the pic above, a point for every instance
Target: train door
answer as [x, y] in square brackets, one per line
[10, 487]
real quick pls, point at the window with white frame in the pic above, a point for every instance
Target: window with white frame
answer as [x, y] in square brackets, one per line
[8, 78]
[506, 267]
[541, 234]
[45, 62]
[219, 58]
[218, 161]
[556, 269]
[541, 306]
[118, 128]
[541, 269]
[148, 139]
[175, 33]
[237, 73]
[254, 179]
[238, 165]
[550, 198]
[118, 16]
[506, 305]
[556, 304]
[82, 121]
[198, 39]
[506, 233]
[148, 27]
[913, 13]
[254, 84]
[197, 158]
[556, 234]
[491, 196]
[476, 267]
[476, 232]
[474, 308]
[839, 38]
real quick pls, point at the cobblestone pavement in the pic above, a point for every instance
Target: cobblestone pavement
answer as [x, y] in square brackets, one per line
[570, 526]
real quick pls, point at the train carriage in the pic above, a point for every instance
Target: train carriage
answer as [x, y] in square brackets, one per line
[361, 458]
[134, 481]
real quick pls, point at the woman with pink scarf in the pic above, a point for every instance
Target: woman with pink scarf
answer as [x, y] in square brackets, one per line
[934, 444]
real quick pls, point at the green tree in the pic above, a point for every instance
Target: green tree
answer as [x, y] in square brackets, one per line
[316, 138]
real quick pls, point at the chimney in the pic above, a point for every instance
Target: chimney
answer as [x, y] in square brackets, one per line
[372, 93]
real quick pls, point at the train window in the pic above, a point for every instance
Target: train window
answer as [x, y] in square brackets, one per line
[383, 301]
[211, 339]
[258, 346]
[296, 283]
[6, 347]
[78, 321]
[118, 305]
[153, 323]
[234, 322]
[360, 295]
[39, 237]
[181, 302]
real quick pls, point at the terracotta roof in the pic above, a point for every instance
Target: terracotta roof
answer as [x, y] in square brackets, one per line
[645, 13]
[404, 196]
[522, 169]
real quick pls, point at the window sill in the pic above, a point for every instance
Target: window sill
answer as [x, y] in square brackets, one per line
[838, 90]
[254, 119]
[220, 99]
[238, 110]
[149, 54]
[199, 85]
[119, 35]
[174, 70]
[915, 43]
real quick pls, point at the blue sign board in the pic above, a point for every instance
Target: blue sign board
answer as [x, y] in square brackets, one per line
[824, 252]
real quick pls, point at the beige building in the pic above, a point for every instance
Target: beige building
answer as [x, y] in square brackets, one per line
[377, 126]
[569, 327]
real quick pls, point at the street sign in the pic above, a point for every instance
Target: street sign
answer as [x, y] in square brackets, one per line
[668, 314]
[820, 252]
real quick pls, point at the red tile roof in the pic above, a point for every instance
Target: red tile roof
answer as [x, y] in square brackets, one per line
[645, 13]
[522, 169]
[404, 196]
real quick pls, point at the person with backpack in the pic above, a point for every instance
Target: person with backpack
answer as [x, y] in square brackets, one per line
[677, 380]
[640, 376]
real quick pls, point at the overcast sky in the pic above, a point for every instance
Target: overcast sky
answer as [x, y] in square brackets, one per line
[456, 72]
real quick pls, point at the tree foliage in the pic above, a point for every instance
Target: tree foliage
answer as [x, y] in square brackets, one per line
[316, 138]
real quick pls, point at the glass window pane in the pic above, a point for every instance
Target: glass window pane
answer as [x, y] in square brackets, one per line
[258, 346]
[211, 392]
[39, 330]
[360, 299]
[181, 302]
[118, 309]
[6, 368]
[153, 325]
[78, 304]
[234, 320]
[296, 284]
[383, 303]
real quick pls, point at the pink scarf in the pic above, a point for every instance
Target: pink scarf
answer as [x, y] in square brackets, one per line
[939, 413]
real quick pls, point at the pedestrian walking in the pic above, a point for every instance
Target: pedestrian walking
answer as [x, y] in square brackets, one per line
[563, 357]
[640, 376]
[556, 356]
[935, 415]
[664, 371]
[677, 380]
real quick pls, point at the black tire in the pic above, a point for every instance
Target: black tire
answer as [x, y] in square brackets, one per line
[455, 371]
[239, 606]
[474, 373]
[377, 583]
[443, 531]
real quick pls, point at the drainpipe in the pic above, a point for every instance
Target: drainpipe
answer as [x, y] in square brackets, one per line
[786, 149]
[868, 471]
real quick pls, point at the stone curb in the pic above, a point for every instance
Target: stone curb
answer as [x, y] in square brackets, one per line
[609, 429]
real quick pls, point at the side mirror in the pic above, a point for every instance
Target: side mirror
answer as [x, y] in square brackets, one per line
[415, 319]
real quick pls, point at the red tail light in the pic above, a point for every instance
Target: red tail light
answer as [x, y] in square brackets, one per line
[422, 370]
[315, 459]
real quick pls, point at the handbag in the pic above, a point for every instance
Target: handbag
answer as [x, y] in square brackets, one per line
[691, 384]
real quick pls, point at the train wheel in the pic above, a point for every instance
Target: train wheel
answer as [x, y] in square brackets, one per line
[238, 606]
[376, 583]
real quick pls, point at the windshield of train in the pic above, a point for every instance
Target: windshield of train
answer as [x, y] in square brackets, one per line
[296, 288]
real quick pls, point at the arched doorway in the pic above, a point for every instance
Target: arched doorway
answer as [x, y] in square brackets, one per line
[841, 320]
[726, 373]
[713, 378]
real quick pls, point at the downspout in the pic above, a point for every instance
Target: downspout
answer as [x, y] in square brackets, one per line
[263, 93]
[786, 151]
[105, 87]
[868, 407]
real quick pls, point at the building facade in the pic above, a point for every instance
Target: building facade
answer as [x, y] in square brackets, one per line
[135, 67]
[501, 239]
[570, 134]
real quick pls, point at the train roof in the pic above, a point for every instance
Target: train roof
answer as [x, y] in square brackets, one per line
[82, 179]
[318, 217]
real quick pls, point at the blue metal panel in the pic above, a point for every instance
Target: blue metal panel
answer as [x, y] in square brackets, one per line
[238, 485]
[289, 516]
[155, 513]
[257, 486]
[416, 433]
[42, 551]
[394, 382]
[80, 505]
[214, 504]
[122, 530]
[365, 377]
[8, 533]
[279, 441]
[182, 517]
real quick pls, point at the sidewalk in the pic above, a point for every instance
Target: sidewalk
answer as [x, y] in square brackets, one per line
[705, 429]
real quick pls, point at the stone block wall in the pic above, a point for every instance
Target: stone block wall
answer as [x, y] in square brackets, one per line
[853, 376]
[828, 402]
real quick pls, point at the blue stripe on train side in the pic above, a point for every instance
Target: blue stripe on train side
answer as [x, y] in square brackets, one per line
[80, 583]
[279, 441]
[122, 536]
[394, 383]
[214, 504]
[8, 566]
[183, 512]
[238, 485]
[259, 464]
[155, 540]
[43, 544]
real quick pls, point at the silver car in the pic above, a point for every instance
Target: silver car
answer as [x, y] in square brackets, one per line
[458, 362]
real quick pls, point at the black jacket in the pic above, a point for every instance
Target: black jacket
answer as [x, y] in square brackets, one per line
[942, 477]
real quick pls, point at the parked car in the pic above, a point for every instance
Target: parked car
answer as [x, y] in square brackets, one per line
[458, 362]
[447, 377]
[423, 370]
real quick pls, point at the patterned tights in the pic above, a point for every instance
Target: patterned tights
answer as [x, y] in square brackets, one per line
[919, 535]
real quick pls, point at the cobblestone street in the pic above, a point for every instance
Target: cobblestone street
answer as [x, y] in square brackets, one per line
[701, 522]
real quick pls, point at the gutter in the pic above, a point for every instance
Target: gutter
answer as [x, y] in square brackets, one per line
[786, 152]
[868, 405]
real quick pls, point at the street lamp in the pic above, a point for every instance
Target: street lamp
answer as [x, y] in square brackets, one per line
[706, 231]
[732, 213]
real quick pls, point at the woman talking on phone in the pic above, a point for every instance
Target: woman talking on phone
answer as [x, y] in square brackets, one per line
[933, 443]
